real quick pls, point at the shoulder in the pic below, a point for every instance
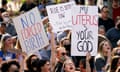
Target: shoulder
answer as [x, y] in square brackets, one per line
[1, 52]
[111, 30]
[99, 57]
[109, 19]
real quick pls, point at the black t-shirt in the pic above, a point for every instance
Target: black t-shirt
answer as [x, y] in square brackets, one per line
[113, 35]
[58, 67]
[100, 63]
[109, 23]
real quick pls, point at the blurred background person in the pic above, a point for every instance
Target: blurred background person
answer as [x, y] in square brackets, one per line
[42, 8]
[113, 34]
[105, 20]
[68, 66]
[31, 63]
[9, 24]
[11, 66]
[4, 6]
[116, 51]
[44, 66]
[61, 57]
[82, 65]
[6, 44]
[103, 58]
[115, 9]
[3, 9]
[27, 5]
[2, 29]
[14, 5]
[101, 30]
[115, 63]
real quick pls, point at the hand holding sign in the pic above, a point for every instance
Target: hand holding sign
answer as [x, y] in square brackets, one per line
[88, 56]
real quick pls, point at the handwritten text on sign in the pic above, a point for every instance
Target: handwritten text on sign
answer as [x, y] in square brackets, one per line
[85, 30]
[60, 16]
[30, 31]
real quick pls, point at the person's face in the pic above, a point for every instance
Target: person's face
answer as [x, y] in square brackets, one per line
[6, 17]
[106, 47]
[62, 54]
[115, 2]
[46, 67]
[8, 42]
[33, 58]
[102, 31]
[13, 68]
[80, 65]
[69, 66]
[105, 12]
[2, 29]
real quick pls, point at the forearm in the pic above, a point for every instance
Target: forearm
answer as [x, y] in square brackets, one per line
[53, 56]
[88, 69]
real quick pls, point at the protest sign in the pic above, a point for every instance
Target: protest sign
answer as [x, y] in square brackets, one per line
[30, 31]
[85, 30]
[60, 16]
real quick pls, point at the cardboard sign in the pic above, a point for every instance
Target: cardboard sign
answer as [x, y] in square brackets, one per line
[60, 16]
[85, 30]
[31, 31]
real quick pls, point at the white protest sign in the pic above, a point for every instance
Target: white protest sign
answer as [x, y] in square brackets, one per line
[31, 31]
[60, 16]
[85, 30]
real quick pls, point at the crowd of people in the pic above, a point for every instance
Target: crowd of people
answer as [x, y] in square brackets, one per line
[56, 57]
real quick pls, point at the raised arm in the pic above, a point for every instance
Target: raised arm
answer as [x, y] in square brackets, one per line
[88, 57]
[53, 50]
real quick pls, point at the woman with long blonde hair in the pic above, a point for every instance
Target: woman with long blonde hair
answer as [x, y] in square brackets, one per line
[6, 44]
[103, 58]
